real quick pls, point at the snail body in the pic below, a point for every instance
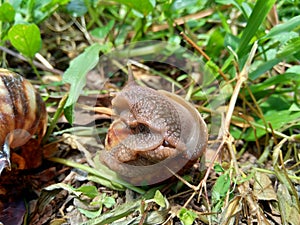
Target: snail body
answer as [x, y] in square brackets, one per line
[22, 114]
[153, 128]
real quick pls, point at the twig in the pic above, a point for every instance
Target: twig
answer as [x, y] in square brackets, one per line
[184, 19]
[82, 28]
[37, 64]
[194, 45]
[43, 61]
[241, 78]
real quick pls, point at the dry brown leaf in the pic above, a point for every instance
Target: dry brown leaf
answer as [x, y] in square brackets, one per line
[288, 210]
[232, 209]
[263, 188]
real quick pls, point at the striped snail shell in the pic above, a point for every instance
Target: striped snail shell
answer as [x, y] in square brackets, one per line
[22, 114]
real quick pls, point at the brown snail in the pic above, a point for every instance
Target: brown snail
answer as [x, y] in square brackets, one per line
[22, 114]
[155, 132]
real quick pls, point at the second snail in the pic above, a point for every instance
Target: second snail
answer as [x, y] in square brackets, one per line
[22, 115]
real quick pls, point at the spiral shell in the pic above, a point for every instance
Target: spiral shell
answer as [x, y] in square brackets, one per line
[22, 113]
[154, 130]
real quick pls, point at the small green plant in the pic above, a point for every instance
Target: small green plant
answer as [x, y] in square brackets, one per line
[220, 189]
[19, 24]
[187, 217]
[89, 196]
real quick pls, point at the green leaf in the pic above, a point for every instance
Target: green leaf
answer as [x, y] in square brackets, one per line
[215, 43]
[231, 40]
[90, 191]
[44, 9]
[69, 113]
[290, 48]
[99, 202]
[294, 108]
[257, 17]
[52, 5]
[264, 68]
[159, 199]
[100, 171]
[218, 168]
[76, 76]
[274, 80]
[90, 213]
[221, 187]
[7, 12]
[144, 7]
[102, 32]
[104, 200]
[285, 27]
[108, 201]
[212, 66]
[115, 214]
[105, 182]
[77, 8]
[275, 102]
[294, 69]
[26, 38]
[187, 217]
[278, 119]
[179, 4]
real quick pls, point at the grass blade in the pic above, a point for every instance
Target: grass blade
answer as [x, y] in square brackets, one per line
[258, 15]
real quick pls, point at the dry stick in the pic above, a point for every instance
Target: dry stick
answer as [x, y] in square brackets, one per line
[184, 19]
[242, 77]
[194, 45]
[37, 64]
[226, 138]
[82, 28]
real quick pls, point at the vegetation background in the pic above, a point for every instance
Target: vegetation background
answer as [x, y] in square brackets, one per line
[253, 50]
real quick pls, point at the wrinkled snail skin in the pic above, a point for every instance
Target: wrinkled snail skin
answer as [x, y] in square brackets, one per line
[149, 107]
[152, 127]
[22, 114]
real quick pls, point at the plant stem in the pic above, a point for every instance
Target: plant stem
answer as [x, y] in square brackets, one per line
[30, 60]
[56, 117]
